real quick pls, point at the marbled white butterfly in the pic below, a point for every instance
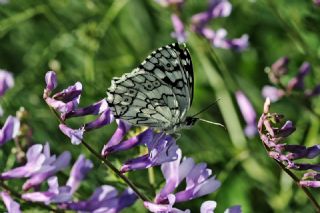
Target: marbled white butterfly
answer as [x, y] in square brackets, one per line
[158, 93]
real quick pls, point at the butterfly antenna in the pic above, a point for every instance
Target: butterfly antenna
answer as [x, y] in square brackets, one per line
[214, 123]
[206, 108]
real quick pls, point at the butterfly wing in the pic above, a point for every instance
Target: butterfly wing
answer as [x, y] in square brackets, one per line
[141, 98]
[158, 93]
[172, 64]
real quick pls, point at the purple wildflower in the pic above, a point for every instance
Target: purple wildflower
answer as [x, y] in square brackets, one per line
[248, 113]
[51, 82]
[11, 205]
[55, 194]
[79, 170]
[278, 69]
[272, 92]
[217, 8]
[297, 82]
[39, 167]
[76, 135]
[118, 135]
[199, 182]
[272, 135]
[314, 92]
[6, 81]
[161, 148]
[179, 32]
[9, 130]
[104, 199]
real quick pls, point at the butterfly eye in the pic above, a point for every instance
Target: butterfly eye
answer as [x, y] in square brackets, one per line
[156, 83]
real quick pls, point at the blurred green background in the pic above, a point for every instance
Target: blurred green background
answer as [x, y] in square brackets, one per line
[93, 41]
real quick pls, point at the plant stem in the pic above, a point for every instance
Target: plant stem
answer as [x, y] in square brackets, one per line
[107, 163]
[296, 180]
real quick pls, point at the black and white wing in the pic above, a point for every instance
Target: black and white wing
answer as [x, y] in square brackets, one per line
[158, 93]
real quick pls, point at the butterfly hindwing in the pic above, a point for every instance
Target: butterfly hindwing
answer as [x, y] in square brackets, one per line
[158, 93]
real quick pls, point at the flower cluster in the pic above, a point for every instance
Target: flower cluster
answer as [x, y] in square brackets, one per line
[273, 131]
[199, 182]
[218, 38]
[276, 73]
[41, 166]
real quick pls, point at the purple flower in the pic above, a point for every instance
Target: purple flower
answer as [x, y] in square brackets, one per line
[218, 39]
[105, 118]
[217, 8]
[199, 182]
[55, 194]
[278, 69]
[161, 148]
[118, 135]
[76, 135]
[11, 205]
[272, 92]
[273, 132]
[51, 82]
[179, 32]
[94, 109]
[297, 82]
[6, 81]
[316, 2]
[104, 199]
[314, 92]
[78, 172]
[248, 113]
[39, 167]
[9, 130]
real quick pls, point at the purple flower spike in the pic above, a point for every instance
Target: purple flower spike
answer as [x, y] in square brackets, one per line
[272, 92]
[71, 93]
[51, 82]
[55, 194]
[49, 168]
[179, 32]
[78, 172]
[11, 205]
[118, 135]
[233, 209]
[105, 118]
[248, 113]
[6, 81]
[297, 82]
[142, 138]
[217, 8]
[76, 135]
[9, 130]
[162, 148]
[94, 109]
[104, 199]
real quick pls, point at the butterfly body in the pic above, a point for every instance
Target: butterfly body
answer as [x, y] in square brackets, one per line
[158, 93]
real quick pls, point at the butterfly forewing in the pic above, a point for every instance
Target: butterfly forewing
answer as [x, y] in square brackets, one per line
[158, 93]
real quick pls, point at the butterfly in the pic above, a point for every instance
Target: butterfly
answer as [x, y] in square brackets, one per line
[158, 93]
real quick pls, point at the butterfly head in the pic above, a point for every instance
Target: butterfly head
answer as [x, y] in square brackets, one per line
[190, 121]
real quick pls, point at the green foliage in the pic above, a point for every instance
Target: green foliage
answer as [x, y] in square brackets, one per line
[93, 41]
